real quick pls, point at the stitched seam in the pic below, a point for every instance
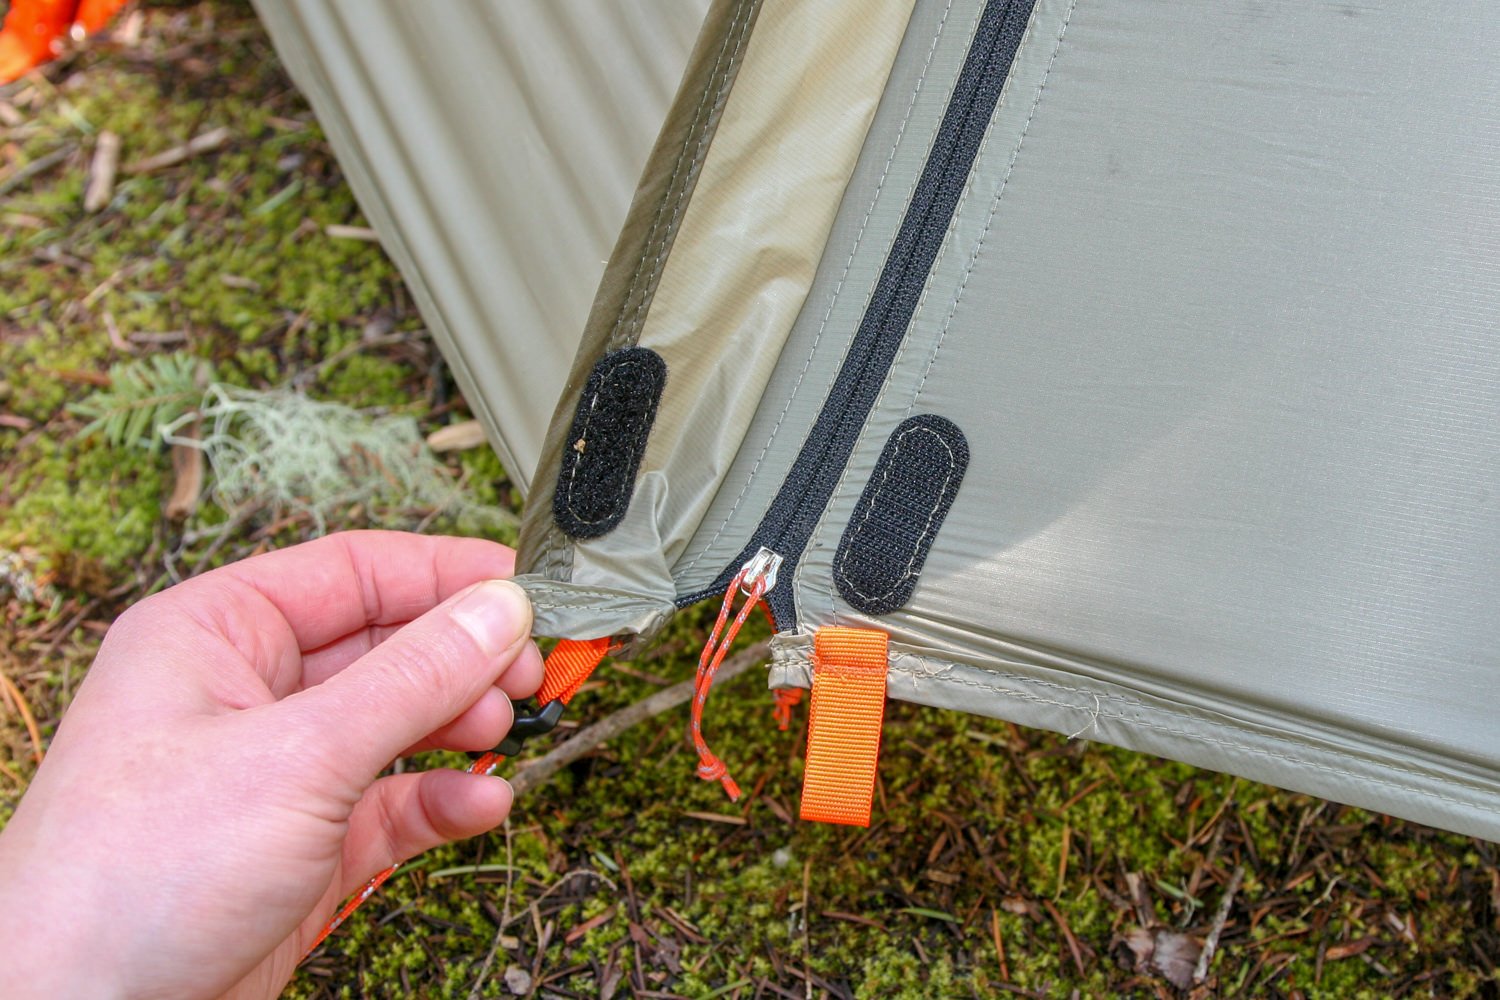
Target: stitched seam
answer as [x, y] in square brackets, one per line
[1422, 781]
[556, 559]
[584, 434]
[574, 606]
[843, 483]
[837, 291]
[958, 211]
[926, 529]
[994, 208]
[559, 587]
[739, 28]
[1137, 721]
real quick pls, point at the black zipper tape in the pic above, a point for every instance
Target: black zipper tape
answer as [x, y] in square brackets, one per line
[794, 512]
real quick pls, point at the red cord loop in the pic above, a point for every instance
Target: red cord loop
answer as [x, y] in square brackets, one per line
[710, 767]
[786, 700]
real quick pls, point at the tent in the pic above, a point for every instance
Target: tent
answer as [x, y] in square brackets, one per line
[1128, 370]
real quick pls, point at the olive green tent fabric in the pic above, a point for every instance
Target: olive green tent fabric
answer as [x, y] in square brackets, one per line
[1217, 313]
[1215, 305]
[1220, 316]
[495, 145]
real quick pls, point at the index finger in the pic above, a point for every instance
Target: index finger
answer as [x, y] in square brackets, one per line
[338, 584]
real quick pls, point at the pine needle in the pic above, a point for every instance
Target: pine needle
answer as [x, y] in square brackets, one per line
[143, 396]
[32, 729]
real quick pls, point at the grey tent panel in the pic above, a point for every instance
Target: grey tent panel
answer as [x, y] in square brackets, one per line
[1219, 316]
[1216, 308]
[495, 145]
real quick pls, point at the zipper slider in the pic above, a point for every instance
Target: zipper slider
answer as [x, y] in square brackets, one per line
[760, 569]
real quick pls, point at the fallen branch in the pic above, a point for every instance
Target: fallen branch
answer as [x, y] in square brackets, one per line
[187, 473]
[40, 165]
[102, 172]
[537, 772]
[457, 437]
[1221, 915]
[196, 146]
[32, 729]
[362, 233]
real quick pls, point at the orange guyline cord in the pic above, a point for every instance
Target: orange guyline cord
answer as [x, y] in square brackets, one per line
[568, 665]
[841, 753]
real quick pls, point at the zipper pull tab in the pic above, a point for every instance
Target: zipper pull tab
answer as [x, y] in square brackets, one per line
[760, 569]
[754, 581]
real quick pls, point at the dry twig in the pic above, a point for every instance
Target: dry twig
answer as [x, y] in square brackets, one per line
[587, 739]
[196, 146]
[1221, 915]
[102, 172]
[32, 729]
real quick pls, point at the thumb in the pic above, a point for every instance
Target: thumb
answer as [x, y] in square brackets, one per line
[421, 678]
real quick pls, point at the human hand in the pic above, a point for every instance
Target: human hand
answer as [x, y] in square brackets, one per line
[212, 795]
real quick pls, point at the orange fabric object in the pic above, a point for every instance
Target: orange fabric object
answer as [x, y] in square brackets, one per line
[568, 665]
[33, 34]
[93, 15]
[34, 30]
[843, 726]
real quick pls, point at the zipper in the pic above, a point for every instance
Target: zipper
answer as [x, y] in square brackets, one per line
[793, 515]
[760, 572]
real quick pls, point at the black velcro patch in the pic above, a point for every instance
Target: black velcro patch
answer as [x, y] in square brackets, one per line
[899, 514]
[608, 438]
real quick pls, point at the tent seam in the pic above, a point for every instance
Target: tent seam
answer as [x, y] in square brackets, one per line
[989, 221]
[1135, 720]
[837, 291]
[738, 30]
[906, 341]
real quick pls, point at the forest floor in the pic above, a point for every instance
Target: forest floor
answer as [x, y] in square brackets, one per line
[1001, 861]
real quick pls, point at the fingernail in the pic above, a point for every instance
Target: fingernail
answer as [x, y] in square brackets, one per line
[495, 613]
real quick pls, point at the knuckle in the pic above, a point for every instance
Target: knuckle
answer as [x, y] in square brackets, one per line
[423, 668]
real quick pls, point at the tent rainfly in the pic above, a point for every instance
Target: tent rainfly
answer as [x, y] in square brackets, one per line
[1128, 370]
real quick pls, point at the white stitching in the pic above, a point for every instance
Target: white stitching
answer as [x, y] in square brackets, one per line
[994, 208]
[906, 341]
[583, 435]
[837, 291]
[702, 133]
[1022, 695]
[841, 572]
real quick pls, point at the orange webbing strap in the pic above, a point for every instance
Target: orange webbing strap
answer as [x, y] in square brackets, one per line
[568, 665]
[843, 725]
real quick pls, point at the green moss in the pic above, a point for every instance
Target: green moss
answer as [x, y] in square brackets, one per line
[79, 498]
[365, 381]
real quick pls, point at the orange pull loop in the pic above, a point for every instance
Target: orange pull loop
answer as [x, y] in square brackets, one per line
[710, 767]
[786, 700]
[568, 665]
[843, 725]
